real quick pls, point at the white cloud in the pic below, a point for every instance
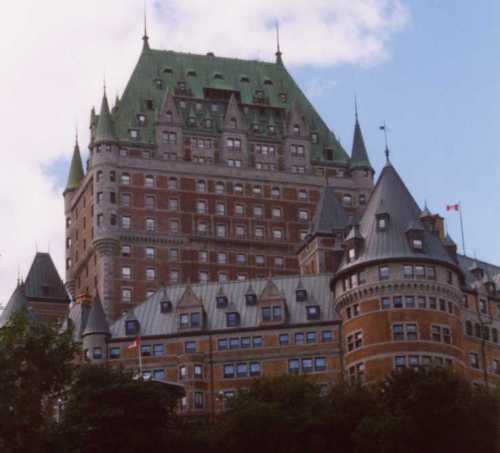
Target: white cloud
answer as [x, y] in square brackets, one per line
[55, 54]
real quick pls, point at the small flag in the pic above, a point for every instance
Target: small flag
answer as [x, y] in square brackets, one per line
[453, 207]
[135, 344]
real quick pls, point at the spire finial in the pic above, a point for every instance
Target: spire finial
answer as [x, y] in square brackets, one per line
[104, 84]
[145, 37]
[76, 136]
[384, 128]
[355, 106]
[278, 50]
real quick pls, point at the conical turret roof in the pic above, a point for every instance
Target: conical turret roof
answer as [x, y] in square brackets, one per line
[392, 242]
[96, 322]
[17, 302]
[76, 173]
[359, 156]
[330, 214]
[105, 128]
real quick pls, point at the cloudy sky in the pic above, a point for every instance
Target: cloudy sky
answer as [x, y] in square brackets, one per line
[430, 68]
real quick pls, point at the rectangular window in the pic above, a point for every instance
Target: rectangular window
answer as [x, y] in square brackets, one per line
[397, 301]
[114, 353]
[407, 271]
[146, 350]
[419, 272]
[222, 344]
[432, 303]
[319, 363]
[311, 337]
[198, 371]
[283, 339]
[158, 350]
[228, 370]
[421, 301]
[307, 365]
[326, 336]
[246, 342]
[384, 273]
[241, 369]
[299, 338]
[410, 301]
[385, 303]
[255, 369]
[257, 342]
[190, 346]
[234, 343]
[293, 366]
[474, 359]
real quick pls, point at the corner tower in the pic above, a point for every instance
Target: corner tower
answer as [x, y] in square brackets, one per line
[397, 289]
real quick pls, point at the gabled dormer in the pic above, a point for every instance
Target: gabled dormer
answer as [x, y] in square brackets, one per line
[221, 300]
[233, 318]
[300, 292]
[165, 303]
[354, 243]
[415, 236]
[190, 312]
[234, 119]
[382, 217]
[132, 325]
[272, 305]
[477, 271]
[169, 114]
[250, 297]
[296, 126]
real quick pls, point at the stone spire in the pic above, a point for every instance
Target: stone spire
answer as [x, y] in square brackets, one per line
[96, 322]
[76, 173]
[278, 53]
[105, 130]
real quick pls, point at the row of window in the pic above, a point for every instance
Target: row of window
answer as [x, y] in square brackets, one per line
[421, 302]
[301, 338]
[475, 330]
[201, 186]
[241, 370]
[416, 361]
[307, 365]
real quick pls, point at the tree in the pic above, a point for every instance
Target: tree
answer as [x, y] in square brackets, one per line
[107, 410]
[36, 364]
[278, 414]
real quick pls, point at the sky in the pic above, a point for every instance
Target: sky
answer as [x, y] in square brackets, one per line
[430, 69]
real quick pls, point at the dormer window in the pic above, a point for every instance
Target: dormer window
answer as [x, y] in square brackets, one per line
[232, 319]
[314, 138]
[190, 320]
[141, 119]
[256, 127]
[301, 295]
[218, 76]
[259, 94]
[382, 222]
[168, 117]
[191, 73]
[296, 129]
[245, 79]
[233, 123]
[490, 287]
[347, 200]
[165, 306]
[159, 83]
[134, 133]
[417, 244]
[283, 97]
[268, 82]
[352, 254]
[272, 313]
[208, 123]
[313, 312]
[149, 104]
[251, 299]
[181, 86]
[221, 301]
[167, 71]
[191, 121]
[131, 327]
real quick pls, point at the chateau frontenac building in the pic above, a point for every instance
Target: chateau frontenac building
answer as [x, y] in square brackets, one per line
[222, 228]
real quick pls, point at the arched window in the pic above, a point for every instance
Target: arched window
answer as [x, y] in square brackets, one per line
[234, 123]
[201, 185]
[219, 187]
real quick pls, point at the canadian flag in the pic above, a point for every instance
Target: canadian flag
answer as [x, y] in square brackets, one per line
[453, 207]
[135, 344]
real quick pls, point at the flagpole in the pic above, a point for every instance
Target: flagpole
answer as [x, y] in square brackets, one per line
[462, 226]
[140, 355]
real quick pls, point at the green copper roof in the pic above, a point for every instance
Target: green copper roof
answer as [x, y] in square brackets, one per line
[160, 70]
[105, 130]
[359, 156]
[76, 170]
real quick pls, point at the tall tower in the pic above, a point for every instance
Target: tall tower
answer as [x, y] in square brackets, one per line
[208, 169]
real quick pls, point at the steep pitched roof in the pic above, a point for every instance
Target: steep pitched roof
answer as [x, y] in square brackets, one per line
[105, 131]
[203, 72]
[467, 263]
[17, 302]
[43, 281]
[329, 215]
[391, 196]
[148, 313]
[76, 173]
[96, 322]
[359, 156]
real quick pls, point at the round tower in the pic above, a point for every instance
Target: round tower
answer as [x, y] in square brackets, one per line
[397, 289]
[96, 334]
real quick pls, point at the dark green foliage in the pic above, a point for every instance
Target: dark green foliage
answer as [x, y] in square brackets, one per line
[35, 366]
[107, 410]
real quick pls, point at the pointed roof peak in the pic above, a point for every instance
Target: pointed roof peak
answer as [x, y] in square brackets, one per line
[330, 214]
[359, 155]
[96, 322]
[278, 53]
[105, 129]
[76, 173]
[145, 37]
[17, 302]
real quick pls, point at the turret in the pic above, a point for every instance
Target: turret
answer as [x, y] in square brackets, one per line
[76, 173]
[105, 132]
[360, 166]
[96, 334]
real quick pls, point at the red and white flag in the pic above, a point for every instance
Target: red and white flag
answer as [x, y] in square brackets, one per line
[453, 207]
[135, 344]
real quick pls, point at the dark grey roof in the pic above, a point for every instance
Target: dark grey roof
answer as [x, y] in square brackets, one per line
[43, 281]
[96, 322]
[16, 302]
[491, 271]
[359, 156]
[391, 196]
[329, 215]
[77, 316]
[153, 322]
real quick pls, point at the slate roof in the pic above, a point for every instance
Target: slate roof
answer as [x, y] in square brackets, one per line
[17, 302]
[490, 270]
[96, 321]
[158, 71]
[105, 129]
[391, 196]
[359, 156]
[43, 281]
[329, 215]
[153, 322]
